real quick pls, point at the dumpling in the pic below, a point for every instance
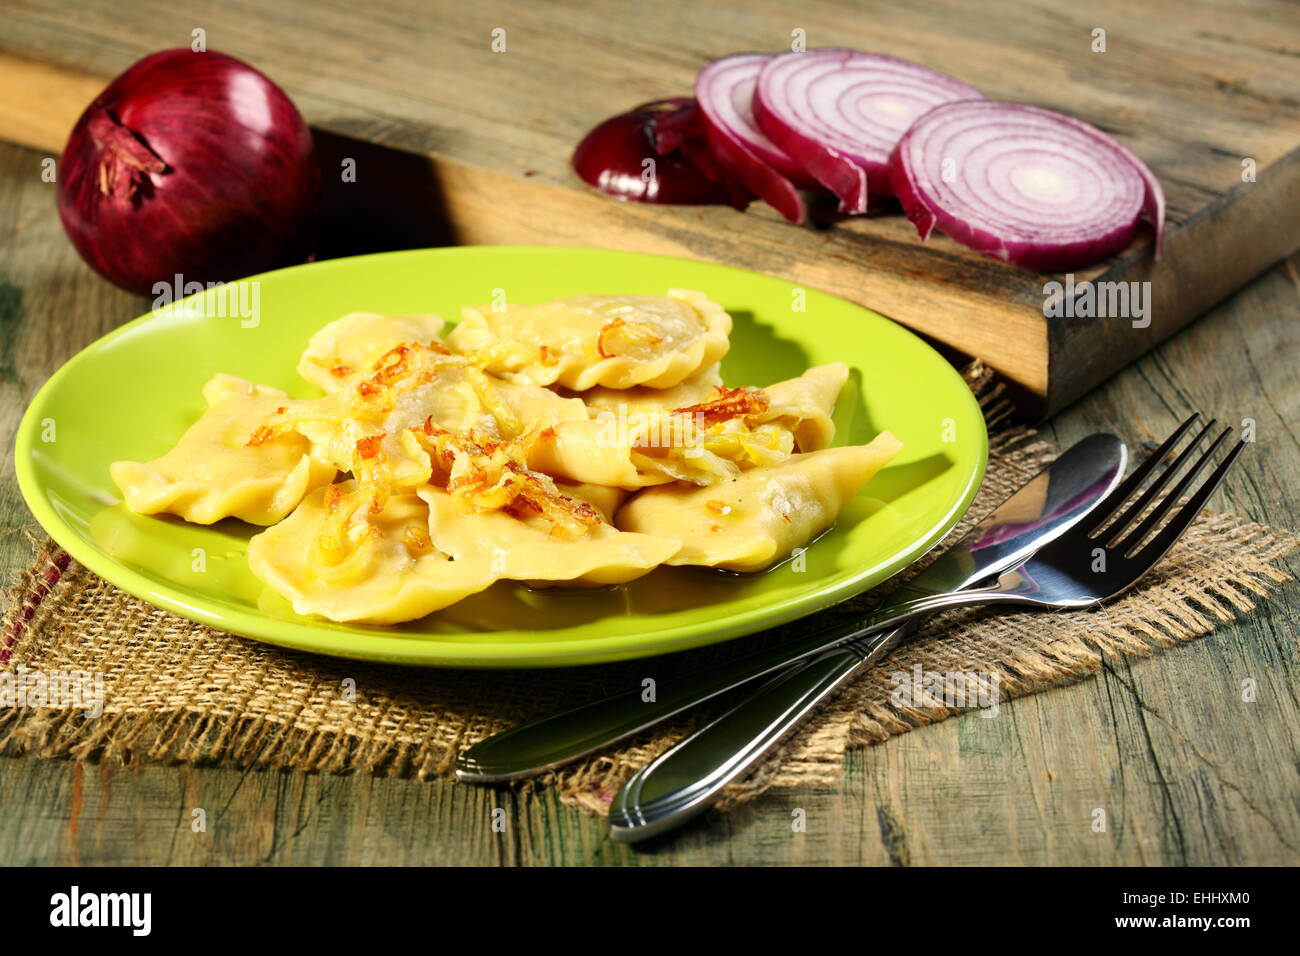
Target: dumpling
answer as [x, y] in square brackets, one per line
[715, 453]
[334, 559]
[757, 518]
[216, 470]
[804, 404]
[700, 387]
[731, 431]
[357, 341]
[604, 499]
[586, 452]
[734, 430]
[652, 446]
[616, 341]
[579, 442]
[374, 413]
[526, 547]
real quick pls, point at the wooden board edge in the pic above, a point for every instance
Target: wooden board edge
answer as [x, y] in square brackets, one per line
[1209, 256]
[40, 102]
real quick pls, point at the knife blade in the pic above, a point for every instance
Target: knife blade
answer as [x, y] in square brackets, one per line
[1045, 507]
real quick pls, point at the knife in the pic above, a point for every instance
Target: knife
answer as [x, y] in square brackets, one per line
[1047, 506]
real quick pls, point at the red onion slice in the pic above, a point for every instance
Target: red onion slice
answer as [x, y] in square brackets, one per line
[725, 92]
[1023, 184]
[728, 102]
[839, 114]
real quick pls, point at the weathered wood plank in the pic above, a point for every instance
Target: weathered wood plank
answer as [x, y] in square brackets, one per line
[1196, 89]
[51, 305]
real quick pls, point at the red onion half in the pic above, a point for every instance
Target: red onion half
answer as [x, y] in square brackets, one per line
[839, 113]
[725, 91]
[1024, 184]
[656, 153]
[190, 164]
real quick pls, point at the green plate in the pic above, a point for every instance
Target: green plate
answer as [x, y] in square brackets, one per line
[132, 393]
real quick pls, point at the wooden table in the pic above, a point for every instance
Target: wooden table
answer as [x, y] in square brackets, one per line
[1189, 773]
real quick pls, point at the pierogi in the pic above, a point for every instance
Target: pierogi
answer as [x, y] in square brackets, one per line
[581, 442]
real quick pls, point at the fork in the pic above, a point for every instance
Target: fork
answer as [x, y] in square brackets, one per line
[1100, 558]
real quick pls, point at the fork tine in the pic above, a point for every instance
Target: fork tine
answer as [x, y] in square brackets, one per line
[1115, 500]
[1181, 521]
[1131, 514]
[1152, 521]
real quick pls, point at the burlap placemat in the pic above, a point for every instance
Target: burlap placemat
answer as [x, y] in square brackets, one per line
[179, 691]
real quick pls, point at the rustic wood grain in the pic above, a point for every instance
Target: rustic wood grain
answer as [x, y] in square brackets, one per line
[51, 305]
[1194, 88]
[1186, 771]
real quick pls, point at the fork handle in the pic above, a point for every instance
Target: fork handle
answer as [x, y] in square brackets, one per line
[685, 780]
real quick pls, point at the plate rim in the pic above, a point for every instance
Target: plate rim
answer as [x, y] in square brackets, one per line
[387, 648]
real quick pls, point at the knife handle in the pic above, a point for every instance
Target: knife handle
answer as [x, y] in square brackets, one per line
[687, 779]
[556, 739]
[548, 742]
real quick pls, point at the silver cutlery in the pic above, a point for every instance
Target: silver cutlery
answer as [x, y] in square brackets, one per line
[1045, 507]
[1095, 560]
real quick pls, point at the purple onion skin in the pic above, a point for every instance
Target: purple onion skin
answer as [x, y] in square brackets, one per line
[190, 164]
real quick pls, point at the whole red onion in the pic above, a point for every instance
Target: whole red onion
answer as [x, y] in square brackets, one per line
[190, 164]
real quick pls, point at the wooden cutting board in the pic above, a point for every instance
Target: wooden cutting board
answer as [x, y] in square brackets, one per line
[478, 107]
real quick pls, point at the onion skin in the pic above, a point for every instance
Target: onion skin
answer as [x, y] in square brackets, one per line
[681, 127]
[190, 164]
[1037, 248]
